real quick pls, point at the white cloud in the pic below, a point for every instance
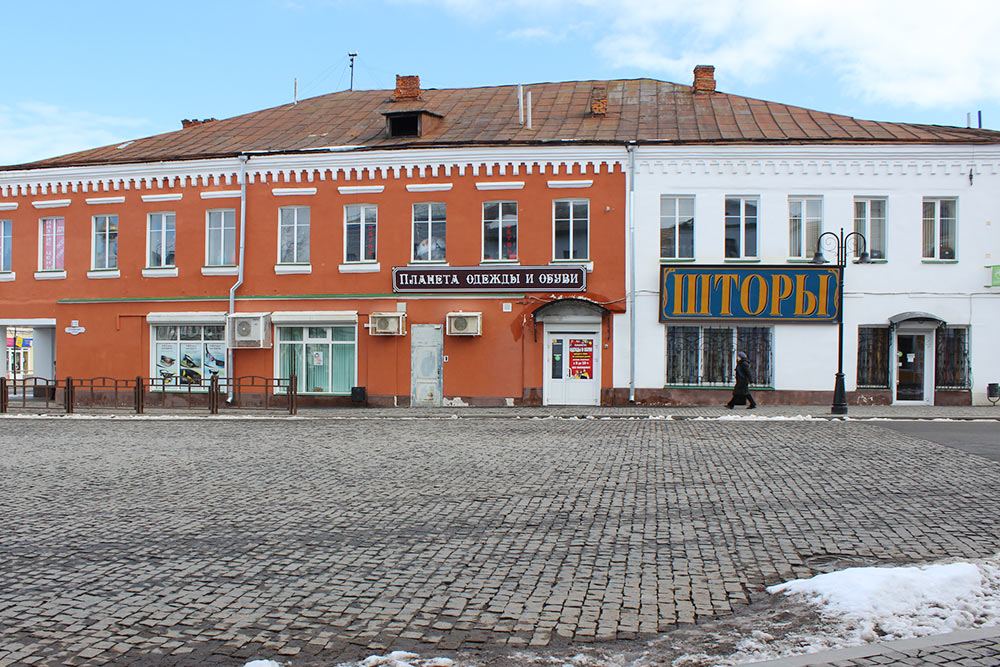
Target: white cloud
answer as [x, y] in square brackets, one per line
[37, 130]
[532, 34]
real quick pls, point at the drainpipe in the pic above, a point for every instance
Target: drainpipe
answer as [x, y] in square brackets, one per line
[631, 270]
[239, 275]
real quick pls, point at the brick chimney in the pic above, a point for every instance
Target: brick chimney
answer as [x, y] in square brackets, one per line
[599, 101]
[407, 88]
[704, 79]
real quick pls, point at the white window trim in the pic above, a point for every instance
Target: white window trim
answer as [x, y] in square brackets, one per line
[160, 272]
[482, 232]
[296, 227]
[93, 244]
[208, 216]
[288, 269]
[7, 276]
[175, 196]
[807, 252]
[52, 203]
[570, 260]
[220, 270]
[50, 275]
[41, 249]
[743, 256]
[96, 274]
[362, 235]
[694, 232]
[868, 199]
[360, 267]
[430, 221]
[105, 200]
[937, 259]
[149, 220]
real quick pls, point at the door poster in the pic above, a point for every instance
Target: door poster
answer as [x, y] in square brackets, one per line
[166, 362]
[581, 358]
[215, 359]
[191, 363]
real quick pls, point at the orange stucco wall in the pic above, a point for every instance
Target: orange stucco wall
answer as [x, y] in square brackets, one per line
[504, 362]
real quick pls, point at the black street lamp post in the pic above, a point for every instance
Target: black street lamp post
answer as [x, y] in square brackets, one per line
[842, 243]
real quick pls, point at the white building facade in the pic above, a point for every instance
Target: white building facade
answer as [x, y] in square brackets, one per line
[920, 320]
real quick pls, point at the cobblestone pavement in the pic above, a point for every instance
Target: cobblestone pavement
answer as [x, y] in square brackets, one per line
[199, 542]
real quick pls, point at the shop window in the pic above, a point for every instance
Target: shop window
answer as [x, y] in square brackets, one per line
[105, 243]
[360, 232]
[6, 235]
[53, 245]
[220, 238]
[162, 236]
[430, 222]
[741, 227]
[571, 227]
[676, 227]
[323, 358]
[805, 224]
[940, 229]
[293, 235]
[869, 221]
[873, 357]
[188, 355]
[706, 356]
[500, 230]
[951, 358]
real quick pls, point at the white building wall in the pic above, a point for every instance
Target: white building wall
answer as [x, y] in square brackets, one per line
[805, 355]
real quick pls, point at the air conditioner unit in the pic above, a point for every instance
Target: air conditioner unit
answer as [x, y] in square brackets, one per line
[465, 324]
[387, 324]
[250, 330]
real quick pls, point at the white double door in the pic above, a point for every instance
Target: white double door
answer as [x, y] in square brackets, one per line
[572, 367]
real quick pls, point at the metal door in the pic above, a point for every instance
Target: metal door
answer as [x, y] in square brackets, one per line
[572, 368]
[910, 367]
[426, 357]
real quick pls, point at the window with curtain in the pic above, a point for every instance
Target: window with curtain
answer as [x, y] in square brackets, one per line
[869, 221]
[805, 224]
[323, 358]
[873, 357]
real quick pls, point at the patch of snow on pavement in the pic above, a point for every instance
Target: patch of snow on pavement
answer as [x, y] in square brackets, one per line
[262, 663]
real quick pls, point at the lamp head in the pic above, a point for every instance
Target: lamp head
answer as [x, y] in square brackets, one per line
[864, 258]
[818, 258]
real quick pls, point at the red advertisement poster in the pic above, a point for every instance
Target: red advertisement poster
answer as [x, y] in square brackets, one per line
[581, 358]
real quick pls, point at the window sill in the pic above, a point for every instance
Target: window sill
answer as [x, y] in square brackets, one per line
[499, 262]
[428, 262]
[586, 264]
[50, 275]
[104, 273]
[360, 267]
[871, 261]
[287, 269]
[159, 272]
[742, 260]
[928, 260]
[675, 260]
[798, 260]
[220, 270]
[7, 276]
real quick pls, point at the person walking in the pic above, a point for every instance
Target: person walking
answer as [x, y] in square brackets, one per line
[741, 392]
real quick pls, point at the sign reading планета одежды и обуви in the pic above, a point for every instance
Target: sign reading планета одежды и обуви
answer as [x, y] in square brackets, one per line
[570, 278]
[763, 293]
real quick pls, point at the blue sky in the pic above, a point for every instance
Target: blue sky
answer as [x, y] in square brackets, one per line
[84, 74]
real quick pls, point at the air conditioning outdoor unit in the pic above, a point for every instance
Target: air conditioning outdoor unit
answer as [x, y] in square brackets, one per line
[387, 324]
[465, 324]
[250, 330]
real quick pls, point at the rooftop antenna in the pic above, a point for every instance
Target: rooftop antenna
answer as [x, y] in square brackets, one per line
[352, 56]
[295, 91]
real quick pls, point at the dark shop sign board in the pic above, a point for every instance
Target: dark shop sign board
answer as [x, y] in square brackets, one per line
[489, 279]
[760, 293]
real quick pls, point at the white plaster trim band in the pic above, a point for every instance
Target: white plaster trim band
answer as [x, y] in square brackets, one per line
[50, 275]
[160, 272]
[220, 270]
[174, 196]
[189, 317]
[51, 203]
[429, 187]
[314, 316]
[104, 273]
[32, 322]
[360, 189]
[497, 185]
[105, 200]
[220, 194]
[286, 269]
[7, 276]
[361, 267]
[589, 266]
[290, 192]
[8, 205]
[571, 184]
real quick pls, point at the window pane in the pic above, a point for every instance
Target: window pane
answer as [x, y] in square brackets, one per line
[343, 333]
[682, 355]
[508, 239]
[873, 357]
[317, 363]
[491, 210]
[318, 333]
[947, 249]
[562, 210]
[929, 220]
[733, 216]
[165, 333]
[421, 240]
[668, 227]
[580, 239]
[795, 229]
[342, 358]
[421, 212]
[438, 212]
[290, 333]
[717, 355]
[353, 214]
[190, 333]
[215, 332]
[562, 239]
[951, 359]
[353, 242]
[302, 242]
[756, 343]
[438, 240]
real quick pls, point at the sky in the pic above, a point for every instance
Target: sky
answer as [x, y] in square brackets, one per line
[79, 75]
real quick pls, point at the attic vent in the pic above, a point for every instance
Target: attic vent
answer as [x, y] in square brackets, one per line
[404, 125]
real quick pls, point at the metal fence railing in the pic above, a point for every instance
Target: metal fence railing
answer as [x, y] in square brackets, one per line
[215, 394]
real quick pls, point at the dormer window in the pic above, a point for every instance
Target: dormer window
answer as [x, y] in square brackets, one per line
[404, 125]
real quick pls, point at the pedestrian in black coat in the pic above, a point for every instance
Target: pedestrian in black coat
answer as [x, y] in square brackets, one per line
[744, 377]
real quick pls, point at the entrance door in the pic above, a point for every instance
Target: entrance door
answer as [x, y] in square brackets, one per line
[572, 368]
[426, 361]
[910, 367]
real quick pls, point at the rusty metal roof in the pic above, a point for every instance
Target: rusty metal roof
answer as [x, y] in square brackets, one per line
[643, 110]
